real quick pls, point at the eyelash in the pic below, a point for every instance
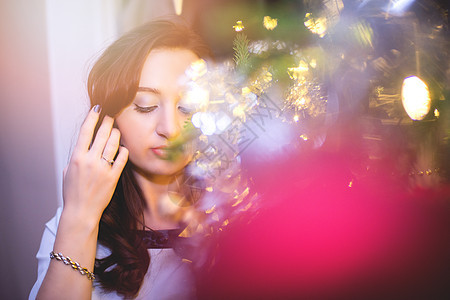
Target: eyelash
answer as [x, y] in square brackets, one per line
[145, 109]
[185, 110]
[148, 109]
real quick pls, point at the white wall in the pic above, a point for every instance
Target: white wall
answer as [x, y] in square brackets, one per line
[77, 32]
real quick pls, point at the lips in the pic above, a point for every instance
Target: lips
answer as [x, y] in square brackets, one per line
[161, 151]
[165, 152]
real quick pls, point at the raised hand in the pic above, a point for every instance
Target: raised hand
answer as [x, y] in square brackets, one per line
[92, 173]
[89, 182]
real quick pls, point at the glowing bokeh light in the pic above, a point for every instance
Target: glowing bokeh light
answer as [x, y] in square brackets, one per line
[246, 90]
[436, 113]
[195, 97]
[415, 98]
[296, 72]
[178, 4]
[205, 121]
[316, 25]
[197, 69]
[239, 26]
[270, 23]
[239, 111]
[222, 122]
[398, 6]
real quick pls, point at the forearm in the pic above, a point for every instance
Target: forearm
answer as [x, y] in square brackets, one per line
[76, 238]
[88, 185]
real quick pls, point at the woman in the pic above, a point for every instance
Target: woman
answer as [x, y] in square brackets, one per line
[122, 172]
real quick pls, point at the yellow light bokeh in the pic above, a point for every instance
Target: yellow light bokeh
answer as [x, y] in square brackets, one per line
[270, 23]
[436, 113]
[317, 26]
[416, 98]
[239, 26]
[246, 90]
[197, 69]
[239, 111]
[295, 72]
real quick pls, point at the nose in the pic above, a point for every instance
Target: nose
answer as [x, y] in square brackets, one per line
[168, 125]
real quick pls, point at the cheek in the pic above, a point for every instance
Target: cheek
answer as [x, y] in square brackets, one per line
[131, 133]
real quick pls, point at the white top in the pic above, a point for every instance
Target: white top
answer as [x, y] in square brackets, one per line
[167, 277]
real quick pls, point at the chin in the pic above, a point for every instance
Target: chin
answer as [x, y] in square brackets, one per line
[169, 171]
[161, 168]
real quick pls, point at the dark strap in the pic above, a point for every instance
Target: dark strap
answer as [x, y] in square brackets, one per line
[160, 239]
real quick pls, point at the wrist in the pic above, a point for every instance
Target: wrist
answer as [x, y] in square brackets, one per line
[77, 221]
[77, 237]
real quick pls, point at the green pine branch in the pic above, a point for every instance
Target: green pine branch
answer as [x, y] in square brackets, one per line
[241, 53]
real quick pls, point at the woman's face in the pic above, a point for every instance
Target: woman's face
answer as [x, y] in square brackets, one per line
[156, 116]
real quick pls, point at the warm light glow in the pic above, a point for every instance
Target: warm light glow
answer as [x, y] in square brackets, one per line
[295, 72]
[270, 23]
[239, 26]
[178, 6]
[436, 113]
[246, 90]
[267, 77]
[239, 111]
[304, 137]
[415, 98]
[317, 26]
[197, 69]
[195, 97]
[296, 118]
[208, 211]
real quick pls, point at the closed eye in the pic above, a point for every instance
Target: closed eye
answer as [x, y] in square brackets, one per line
[145, 109]
[185, 110]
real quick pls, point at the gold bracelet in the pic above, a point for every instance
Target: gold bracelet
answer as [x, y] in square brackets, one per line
[73, 264]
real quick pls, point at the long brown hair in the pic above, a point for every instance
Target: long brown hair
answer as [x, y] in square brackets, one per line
[113, 83]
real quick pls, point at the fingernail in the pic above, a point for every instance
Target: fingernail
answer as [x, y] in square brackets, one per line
[97, 108]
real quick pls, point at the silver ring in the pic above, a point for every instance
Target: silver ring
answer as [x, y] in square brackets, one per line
[110, 162]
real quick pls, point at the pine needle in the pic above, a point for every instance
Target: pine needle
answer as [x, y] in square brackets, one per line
[241, 53]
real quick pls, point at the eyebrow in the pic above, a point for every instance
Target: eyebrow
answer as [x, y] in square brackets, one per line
[149, 90]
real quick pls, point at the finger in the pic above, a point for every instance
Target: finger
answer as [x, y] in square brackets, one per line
[102, 136]
[121, 161]
[87, 130]
[112, 145]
